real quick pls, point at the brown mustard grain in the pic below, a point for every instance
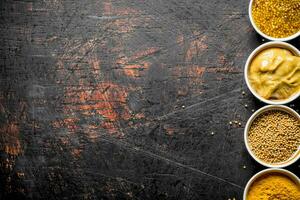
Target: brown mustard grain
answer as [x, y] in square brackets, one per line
[277, 18]
[274, 136]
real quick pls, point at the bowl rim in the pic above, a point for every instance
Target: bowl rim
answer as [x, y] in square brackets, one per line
[291, 37]
[260, 48]
[288, 173]
[289, 110]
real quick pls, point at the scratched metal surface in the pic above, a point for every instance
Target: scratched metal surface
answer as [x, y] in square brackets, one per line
[118, 99]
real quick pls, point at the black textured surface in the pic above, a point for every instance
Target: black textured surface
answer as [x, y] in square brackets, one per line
[118, 99]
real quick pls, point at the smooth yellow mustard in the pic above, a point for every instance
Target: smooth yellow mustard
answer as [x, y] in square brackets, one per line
[274, 74]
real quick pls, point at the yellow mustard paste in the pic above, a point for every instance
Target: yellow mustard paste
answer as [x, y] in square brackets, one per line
[274, 74]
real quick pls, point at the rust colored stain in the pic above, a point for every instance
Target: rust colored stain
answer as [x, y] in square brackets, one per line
[95, 65]
[192, 75]
[183, 91]
[132, 70]
[123, 25]
[223, 70]
[76, 50]
[136, 70]
[72, 61]
[196, 47]
[192, 71]
[140, 66]
[20, 174]
[123, 60]
[69, 123]
[65, 141]
[107, 8]
[180, 39]
[169, 129]
[144, 53]
[221, 59]
[76, 152]
[51, 39]
[126, 11]
[196, 70]
[10, 142]
[92, 133]
[240, 54]
[106, 99]
[139, 116]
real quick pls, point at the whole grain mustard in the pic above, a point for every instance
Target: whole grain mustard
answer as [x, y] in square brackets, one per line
[274, 74]
[274, 136]
[277, 18]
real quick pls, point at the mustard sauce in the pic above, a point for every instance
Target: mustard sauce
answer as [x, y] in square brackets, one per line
[274, 74]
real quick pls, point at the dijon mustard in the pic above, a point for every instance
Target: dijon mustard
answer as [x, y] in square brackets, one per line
[274, 74]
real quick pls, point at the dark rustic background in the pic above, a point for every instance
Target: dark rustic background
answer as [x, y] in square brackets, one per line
[131, 99]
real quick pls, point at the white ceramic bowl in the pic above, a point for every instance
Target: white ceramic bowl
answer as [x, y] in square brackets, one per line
[264, 109]
[264, 35]
[267, 171]
[262, 47]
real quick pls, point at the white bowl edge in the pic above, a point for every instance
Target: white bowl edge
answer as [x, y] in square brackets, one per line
[249, 60]
[291, 37]
[265, 171]
[249, 123]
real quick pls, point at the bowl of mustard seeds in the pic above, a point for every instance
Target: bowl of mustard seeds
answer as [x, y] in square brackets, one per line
[271, 73]
[272, 136]
[277, 20]
[273, 183]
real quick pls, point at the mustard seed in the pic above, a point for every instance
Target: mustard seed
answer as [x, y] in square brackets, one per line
[274, 136]
[277, 18]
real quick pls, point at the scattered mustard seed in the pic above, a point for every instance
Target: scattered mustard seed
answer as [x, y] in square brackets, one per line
[277, 18]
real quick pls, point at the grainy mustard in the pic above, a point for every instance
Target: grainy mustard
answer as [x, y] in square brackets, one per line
[277, 18]
[274, 136]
